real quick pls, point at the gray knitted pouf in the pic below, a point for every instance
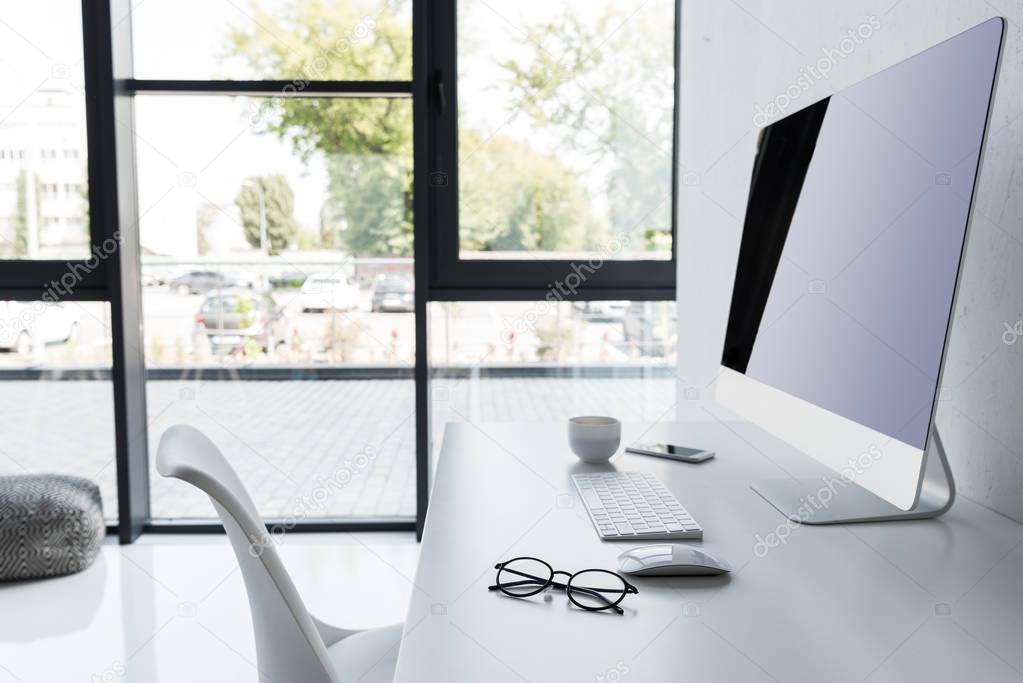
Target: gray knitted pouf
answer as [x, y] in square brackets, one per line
[50, 525]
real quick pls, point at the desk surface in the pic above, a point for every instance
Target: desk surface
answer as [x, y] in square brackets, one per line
[938, 600]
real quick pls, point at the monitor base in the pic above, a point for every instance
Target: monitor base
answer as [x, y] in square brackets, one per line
[833, 500]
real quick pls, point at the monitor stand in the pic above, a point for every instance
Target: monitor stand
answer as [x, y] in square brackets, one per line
[808, 501]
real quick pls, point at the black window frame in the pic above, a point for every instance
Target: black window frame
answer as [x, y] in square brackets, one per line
[297, 88]
[102, 278]
[455, 279]
[110, 90]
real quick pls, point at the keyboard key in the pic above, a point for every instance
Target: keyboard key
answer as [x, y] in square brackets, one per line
[592, 500]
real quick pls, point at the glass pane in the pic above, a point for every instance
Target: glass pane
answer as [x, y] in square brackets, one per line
[58, 414]
[278, 299]
[542, 361]
[43, 189]
[523, 576]
[565, 114]
[300, 40]
[596, 589]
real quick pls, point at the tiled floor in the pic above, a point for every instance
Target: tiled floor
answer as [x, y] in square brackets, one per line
[303, 448]
[174, 608]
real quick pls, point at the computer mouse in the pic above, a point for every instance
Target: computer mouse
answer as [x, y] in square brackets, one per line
[670, 560]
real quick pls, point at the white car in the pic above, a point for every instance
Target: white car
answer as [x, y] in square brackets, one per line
[23, 322]
[602, 310]
[325, 292]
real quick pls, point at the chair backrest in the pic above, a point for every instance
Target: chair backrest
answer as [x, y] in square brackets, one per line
[288, 645]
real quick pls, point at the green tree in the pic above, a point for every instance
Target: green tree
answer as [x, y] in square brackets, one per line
[607, 95]
[367, 142]
[514, 199]
[278, 206]
[370, 200]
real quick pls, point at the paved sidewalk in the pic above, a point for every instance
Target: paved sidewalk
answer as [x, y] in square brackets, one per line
[305, 449]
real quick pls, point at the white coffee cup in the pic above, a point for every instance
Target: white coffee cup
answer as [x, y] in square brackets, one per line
[594, 438]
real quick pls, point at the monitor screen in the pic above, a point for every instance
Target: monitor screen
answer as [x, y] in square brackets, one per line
[853, 236]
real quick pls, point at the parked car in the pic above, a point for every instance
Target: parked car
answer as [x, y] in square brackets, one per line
[326, 292]
[394, 293]
[602, 310]
[651, 326]
[234, 317]
[164, 274]
[205, 281]
[22, 323]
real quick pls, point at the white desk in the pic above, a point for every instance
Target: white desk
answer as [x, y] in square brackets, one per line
[930, 601]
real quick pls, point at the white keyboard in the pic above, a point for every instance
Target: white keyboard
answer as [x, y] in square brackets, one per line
[632, 506]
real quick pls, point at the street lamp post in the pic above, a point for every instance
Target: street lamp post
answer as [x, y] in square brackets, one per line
[263, 246]
[262, 220]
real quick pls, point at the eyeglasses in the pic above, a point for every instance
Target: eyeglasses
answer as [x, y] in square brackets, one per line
[590, 589]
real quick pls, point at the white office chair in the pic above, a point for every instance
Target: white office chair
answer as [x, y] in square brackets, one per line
[291, 645]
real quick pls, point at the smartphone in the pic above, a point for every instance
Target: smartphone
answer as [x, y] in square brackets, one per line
[671, 451]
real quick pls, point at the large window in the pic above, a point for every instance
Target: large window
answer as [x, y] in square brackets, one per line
[319, 239]
[56, 332]
[554, 149]
[565, 129]
[276, 236]
[321, 230]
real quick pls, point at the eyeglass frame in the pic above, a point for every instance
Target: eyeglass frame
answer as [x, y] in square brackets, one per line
[566, 586]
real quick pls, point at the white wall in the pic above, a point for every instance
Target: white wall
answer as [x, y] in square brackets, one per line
[738, 55]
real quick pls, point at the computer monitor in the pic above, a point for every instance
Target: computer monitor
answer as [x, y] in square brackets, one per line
[854, 233]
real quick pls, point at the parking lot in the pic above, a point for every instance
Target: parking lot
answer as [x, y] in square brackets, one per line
[172, 335]
[461, 333]
[180, 331]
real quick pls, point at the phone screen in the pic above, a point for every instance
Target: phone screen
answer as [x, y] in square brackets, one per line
[671, 449]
